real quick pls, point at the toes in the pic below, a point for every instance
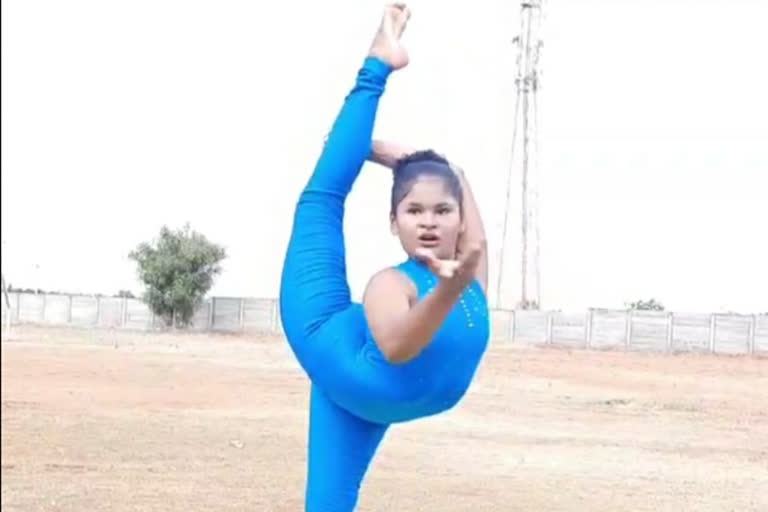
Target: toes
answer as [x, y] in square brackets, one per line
[401, 21]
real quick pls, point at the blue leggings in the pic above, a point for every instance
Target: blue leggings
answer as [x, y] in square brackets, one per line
[324, 328]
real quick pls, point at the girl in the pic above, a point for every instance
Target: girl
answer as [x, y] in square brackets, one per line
[412, 347]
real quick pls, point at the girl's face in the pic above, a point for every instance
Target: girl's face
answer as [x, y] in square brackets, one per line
[428, 216]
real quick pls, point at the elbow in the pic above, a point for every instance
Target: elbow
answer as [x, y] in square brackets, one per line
[477, 243]
[395, 356]
[399, 345]
[395, 353]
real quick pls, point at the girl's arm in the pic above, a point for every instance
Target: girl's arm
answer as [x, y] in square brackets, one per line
[400, 325]
[388, 153]
[474, 230]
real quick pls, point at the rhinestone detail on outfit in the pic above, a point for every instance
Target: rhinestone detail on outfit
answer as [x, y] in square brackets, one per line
[468, 295]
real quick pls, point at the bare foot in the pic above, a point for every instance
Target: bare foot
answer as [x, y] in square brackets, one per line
[387, 45]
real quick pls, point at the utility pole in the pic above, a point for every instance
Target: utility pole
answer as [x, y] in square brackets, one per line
[6, 300]
[8, 312]
[527, 84]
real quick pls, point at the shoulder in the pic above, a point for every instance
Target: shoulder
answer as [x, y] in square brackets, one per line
[391, 280]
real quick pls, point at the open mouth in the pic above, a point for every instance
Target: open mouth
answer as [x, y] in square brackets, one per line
[429, 240]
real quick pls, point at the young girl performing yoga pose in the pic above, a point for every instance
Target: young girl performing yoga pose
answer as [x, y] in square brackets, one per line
[412, 347]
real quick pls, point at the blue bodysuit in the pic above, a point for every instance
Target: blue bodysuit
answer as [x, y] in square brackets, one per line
[355, 393]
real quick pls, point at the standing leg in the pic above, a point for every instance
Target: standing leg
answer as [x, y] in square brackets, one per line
[341, 446]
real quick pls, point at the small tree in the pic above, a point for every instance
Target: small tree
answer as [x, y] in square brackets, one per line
[178, 270]
[647, 305]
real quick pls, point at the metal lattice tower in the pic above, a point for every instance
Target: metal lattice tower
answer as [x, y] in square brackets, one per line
[524, 157]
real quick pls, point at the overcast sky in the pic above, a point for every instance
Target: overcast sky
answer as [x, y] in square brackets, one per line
[118, 117]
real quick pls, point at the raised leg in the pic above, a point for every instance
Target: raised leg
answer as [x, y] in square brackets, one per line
[314, 281]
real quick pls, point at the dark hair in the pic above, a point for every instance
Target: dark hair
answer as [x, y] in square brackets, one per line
[422, 163]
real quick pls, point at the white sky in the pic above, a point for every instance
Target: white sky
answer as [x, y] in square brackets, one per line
[118, 117]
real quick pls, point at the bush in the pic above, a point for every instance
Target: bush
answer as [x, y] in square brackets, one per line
[647, 305]
[177, 270]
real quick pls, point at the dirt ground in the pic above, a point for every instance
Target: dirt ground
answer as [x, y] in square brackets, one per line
[115, 421]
